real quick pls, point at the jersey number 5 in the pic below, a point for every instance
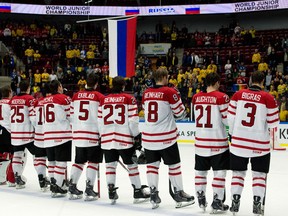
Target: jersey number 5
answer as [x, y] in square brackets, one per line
[83, 110]
[203, 109]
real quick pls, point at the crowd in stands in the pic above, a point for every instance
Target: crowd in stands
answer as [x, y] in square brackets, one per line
[70, 52]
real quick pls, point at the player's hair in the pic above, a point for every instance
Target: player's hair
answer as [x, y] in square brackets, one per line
[212, 79]
[5, 91]
[54, 85]
[159, 74]
[24, 85]
[257, 77]
[92, 80]
[118, 82]
[46, 89]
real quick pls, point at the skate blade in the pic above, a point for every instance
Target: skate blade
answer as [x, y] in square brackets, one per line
[20, 186]
[10, 184]
[113, 201]
[141, 200]
[203, 208]
[184, 204]
[155, 205]
[58, 195]
[74, 197]
[91, 198]
[217, 211]
[44, 189]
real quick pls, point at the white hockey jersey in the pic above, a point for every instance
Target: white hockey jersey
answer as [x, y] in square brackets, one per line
[84, 117]
[118, 121]
[5, 114]
[38, 123]
[22, 130]
[210, 110]
[56, 128]
[161, 104]
[251, 113]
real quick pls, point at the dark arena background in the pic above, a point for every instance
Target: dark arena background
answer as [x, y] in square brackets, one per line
[45, 40]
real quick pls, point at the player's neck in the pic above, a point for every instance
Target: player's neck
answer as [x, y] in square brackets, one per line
[211, 89]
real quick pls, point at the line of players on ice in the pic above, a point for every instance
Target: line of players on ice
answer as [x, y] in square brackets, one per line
[50, 126]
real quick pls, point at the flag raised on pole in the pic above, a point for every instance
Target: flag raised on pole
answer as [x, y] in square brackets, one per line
[122, 42]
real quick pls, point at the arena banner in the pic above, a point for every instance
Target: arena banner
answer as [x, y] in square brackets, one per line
[186, 132]
[155, 48]
[86, 10]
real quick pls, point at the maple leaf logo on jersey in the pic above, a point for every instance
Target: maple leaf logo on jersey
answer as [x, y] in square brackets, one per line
[134, 101]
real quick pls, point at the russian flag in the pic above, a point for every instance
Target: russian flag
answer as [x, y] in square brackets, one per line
[122, 40]
[5, 9]
[132, 12]
[192, 10]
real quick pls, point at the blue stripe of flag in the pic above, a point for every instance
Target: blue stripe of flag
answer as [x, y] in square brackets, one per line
[192, 9]
[122, 47]
[132, 11]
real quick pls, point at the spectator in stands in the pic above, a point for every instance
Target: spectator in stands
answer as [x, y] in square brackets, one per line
[36, 56]
[212, 67]
[281, 88]
[60, 74]
[37, 77]
[241, 79]
[228, 67]
[268, 80]
[283, 114]
[272, 60]
[194, 59]
[48, 67]
[53, 76]
[273, 91]
[263, 66]
[256, 57]
[90, 55]
[82, 83]
[29, 53]
[285, 60]
[105, 53]
[239, 57]
[217, 59]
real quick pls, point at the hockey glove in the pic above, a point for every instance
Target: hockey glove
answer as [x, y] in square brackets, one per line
[139, 157]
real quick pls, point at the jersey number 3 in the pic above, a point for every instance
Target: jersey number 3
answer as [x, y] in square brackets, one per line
[250, 115]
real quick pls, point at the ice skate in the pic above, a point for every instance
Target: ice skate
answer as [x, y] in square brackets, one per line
[113, 196]
[235, 204]
[218, 206]
[58, 192]
[257, 206]
[20, 183]
[52, 185]
[90, 194]
[202, 200]
[183, 199]
[140, 195]
[43, 182]
[74, 193]
[11, 184]
[154, 198]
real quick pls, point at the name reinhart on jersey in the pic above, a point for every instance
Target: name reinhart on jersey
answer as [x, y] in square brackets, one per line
[154, 95]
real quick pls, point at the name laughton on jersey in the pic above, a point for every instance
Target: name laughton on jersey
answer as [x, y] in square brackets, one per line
[206, 99]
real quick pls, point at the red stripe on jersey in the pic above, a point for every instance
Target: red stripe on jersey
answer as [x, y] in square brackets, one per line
[160, 140]
[91, 167]
[56, 132]
[85, 138]
[174, 174]
[219, 179]
[224, 110]
[181, 110]
[133, 115]
[180, 104]
[237, 183]
[250, 148]
[134, 174]
[234, 107]
[77, 166]
[43, 160]
[39, 134]
[22, 132]
[211, 140]
[16, 162]
[58, 167]
[200, 177]
[159, 134]
[201, 183]
[238, 177]
[59, 173]
[67, 109]
[218, 186]
[224, 117]
[272, 121]
[153, 172]
[175, 168]
[233, 113]
[272, 114]
[259, 178]
[210, 147]
[58, 138]
[134, 168]
[40, 164]
[132, 109]
[250, 140]
[152, 167]
[119, 134]
[110, 173]
[259, 185]
[36, 139]
[86, 132]
[116, 140]
[24, 138]
[99, 111]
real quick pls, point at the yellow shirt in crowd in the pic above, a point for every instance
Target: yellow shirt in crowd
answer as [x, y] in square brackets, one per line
[37, 78]
[256, 58]
[45, 77]
[29, 52]
[90, 55]
[263, 67]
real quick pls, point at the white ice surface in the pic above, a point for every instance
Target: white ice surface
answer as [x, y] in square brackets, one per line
[32, 202]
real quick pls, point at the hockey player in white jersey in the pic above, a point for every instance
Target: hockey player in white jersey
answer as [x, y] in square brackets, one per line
[118, 123]
[211, 145]
[251, 113]
[6, 150]
[22, 132]
[57, 136]
[84, 117]
[159, 138]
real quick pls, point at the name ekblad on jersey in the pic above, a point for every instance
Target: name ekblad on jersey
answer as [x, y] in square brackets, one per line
[86, 95]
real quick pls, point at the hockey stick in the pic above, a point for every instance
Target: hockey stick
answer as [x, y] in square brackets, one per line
[124, 167]
[171, 192]
[98, 180]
